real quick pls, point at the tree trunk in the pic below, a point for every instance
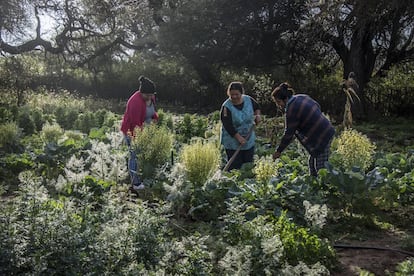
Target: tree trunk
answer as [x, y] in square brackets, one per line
[360, 59]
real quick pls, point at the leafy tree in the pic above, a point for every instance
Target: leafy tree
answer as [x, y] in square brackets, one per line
[368, 37]
[82, 30]
[286, 38]
[216, 34]
[235, 33]
[393, 94]
[17, 74]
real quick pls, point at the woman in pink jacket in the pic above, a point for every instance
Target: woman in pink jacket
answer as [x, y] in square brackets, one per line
[140, 110]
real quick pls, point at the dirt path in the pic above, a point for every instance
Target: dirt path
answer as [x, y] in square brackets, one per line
[378, 262]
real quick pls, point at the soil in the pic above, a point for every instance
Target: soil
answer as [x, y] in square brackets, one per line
[378, 262]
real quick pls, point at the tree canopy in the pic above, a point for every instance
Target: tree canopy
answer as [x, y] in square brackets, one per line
[367, 36]
[80, 30]
[364, 37]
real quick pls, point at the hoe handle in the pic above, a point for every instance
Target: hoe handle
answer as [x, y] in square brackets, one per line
[237, 150]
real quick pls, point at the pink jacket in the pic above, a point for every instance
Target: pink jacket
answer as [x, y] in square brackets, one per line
[135, 113]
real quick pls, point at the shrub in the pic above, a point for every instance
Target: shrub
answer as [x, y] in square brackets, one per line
[405, 268]
[38, 118]
[191, 126]
[210, 201]
[165, 119]
[131, 241]
[110, 119]
[25, 121]
[200, 159]
[100, 117]
[153, 145]
[189, 256]
[7, 114]
[75, 135]
[51, 133]
[352, 149]
[71, 236]
[85, 122]
[398, 170]
[9, 134]
[260, 246]
[300, 245]
[66, 116]
[213, 133]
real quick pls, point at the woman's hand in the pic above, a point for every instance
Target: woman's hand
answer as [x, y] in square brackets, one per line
[257, 119]
[240, 139]
[276, 155]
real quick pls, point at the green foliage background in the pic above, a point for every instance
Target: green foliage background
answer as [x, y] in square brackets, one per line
[66, 205]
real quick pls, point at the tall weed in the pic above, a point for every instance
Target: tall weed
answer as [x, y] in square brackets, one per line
[9, 134]
[153, 145]
[201, 159]
[265, 169]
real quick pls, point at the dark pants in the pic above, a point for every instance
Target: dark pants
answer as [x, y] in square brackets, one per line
[318, 162]
[132, 163]
[244, 156]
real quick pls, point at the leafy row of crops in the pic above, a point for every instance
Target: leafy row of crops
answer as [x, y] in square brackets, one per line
[66, 206]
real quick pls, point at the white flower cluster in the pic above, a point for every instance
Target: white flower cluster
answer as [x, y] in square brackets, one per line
[273, 253]
[273, 246]
[301, 268]
[33, 187]
[75, 169]
[237, 260]
[105, 161]
[178, 188]
[316, 214]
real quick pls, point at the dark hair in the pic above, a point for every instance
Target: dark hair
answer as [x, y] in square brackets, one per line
[146, 85]
[283, 91]
[235, 85]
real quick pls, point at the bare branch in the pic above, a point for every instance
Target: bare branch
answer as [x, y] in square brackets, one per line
[30, 46]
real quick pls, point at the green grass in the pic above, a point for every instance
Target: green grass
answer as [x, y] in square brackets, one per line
[390, 134]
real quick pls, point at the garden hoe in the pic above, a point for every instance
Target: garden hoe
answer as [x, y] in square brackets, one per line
[237, 150]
